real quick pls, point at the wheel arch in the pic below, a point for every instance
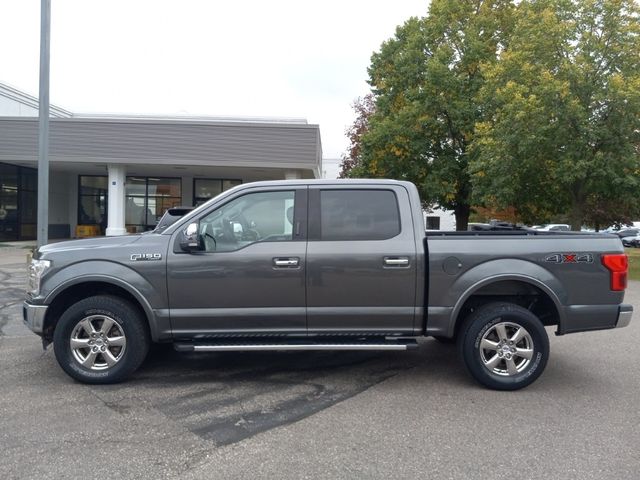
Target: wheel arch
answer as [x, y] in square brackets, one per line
[74, 290]
[508, 287]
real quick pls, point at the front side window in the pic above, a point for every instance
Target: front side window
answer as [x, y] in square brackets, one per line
[358, 215]
[251, 218]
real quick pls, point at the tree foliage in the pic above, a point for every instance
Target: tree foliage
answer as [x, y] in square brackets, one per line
[564, 129]
[530, 104]
[364, 108]
[425, 81]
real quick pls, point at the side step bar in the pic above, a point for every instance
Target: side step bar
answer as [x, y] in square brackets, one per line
[239, 347]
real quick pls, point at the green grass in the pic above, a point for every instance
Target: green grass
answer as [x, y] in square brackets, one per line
[634, 263]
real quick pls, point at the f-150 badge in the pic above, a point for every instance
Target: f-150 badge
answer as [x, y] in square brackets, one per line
[136, 257]
[569, 258]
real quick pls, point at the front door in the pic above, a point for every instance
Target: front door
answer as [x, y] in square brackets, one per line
[250, 278]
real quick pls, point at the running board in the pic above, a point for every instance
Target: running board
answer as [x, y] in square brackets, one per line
[239, 347]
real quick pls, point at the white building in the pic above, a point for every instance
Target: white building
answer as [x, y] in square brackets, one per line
[439, 219]
[331, 167]
[121, 173]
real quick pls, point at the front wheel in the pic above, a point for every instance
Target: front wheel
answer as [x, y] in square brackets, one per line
[101, 339]
[504, 346]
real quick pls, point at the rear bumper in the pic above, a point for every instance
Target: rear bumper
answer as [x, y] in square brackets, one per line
[584, 318]
[624, 315]
[33, 316]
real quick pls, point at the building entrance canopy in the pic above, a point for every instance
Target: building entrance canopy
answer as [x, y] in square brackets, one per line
[122, 173]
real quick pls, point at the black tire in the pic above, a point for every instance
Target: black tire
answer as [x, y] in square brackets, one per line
[504, 366]
[93, 312]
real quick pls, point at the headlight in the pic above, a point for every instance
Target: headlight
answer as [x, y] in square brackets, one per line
[37, 269]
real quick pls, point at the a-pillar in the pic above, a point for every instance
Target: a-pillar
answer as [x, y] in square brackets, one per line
[115, 216]
[292, 175]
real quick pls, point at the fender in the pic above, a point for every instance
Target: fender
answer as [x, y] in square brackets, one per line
[151, 295]
[511, 269]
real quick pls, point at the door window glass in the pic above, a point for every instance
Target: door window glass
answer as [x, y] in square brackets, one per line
[255, 217]
[358, 215]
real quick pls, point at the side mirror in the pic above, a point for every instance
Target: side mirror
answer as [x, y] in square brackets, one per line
[190, 240]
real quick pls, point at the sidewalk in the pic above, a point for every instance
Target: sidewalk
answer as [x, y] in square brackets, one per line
[15, 252]
[13, 283]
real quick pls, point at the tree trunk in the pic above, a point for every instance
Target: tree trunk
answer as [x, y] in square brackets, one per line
[462, 213]
[576, 215]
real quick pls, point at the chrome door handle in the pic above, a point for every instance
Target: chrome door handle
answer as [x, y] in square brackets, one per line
[396, 261]
[286, 262]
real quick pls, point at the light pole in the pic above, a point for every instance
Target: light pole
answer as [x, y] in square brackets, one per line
[43, 124]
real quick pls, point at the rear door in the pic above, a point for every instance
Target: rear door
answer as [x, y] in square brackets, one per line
[361, 261]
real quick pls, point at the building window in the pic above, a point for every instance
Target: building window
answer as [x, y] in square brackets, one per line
[18, 202]
[205, 189]
[147, 198]
[93, 198]
[433, 223]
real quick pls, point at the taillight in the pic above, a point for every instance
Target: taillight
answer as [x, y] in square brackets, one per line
[618, 265]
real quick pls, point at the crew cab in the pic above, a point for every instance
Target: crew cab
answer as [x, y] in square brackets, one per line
[322, 265]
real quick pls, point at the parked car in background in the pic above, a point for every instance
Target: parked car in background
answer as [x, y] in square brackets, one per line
[170, 217]
[553, 227]
[495, 225]
[631, 241]
[627, 232]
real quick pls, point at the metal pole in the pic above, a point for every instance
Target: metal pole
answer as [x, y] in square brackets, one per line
[43, 124]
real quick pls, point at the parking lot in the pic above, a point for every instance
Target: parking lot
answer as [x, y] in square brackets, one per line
[318, 414]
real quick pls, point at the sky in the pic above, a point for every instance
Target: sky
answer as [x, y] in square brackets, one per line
[257, 58]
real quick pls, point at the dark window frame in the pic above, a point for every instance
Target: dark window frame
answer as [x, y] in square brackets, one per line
[80, 195]
[20, 171]
[195, 198]
[433, 218]
[146, 196]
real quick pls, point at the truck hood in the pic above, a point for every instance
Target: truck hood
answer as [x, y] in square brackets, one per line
[99, 242]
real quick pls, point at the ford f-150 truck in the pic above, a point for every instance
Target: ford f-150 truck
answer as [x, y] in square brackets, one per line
[322, 265]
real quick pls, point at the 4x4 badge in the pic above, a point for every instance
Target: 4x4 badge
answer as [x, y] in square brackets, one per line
[569, 258]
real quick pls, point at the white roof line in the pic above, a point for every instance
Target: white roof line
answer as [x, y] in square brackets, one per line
[30, 101]
[209, 118]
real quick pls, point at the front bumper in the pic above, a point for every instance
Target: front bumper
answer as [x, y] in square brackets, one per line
[624, 315]
[33, 316]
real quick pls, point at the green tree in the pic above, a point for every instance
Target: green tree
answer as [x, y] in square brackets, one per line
[425, 81]
[564, 128]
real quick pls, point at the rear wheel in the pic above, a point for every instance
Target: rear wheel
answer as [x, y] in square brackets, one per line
[503, 346]
[101, 339]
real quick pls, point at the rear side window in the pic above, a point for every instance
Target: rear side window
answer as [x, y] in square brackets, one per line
[358, 215]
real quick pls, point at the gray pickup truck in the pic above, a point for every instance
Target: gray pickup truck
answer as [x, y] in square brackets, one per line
[322, 265]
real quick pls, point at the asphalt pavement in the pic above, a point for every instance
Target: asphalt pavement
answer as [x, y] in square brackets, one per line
[315, 415]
